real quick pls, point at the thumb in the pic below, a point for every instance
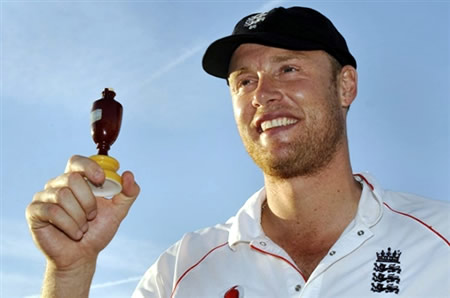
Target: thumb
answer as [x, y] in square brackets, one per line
[130, 191]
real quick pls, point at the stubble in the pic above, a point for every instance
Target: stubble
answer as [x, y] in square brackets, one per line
[311, 150]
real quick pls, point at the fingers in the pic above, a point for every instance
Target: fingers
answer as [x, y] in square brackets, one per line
[75, 184]
[65, 199]
[67, 202]
[90, 169]
[40, 215]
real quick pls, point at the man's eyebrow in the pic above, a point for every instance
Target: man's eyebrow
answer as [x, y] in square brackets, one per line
[237, 72]
[274, 59]
[284, 58]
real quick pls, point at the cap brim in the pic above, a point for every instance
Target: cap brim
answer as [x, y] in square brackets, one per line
[218, 55]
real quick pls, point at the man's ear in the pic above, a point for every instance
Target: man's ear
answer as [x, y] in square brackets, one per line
[348, 85]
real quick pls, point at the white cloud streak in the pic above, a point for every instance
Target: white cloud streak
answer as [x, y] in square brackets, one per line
[197, 48]
[117, 282]
[171, 65]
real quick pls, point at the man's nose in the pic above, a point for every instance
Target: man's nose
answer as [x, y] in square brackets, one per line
[266, 92]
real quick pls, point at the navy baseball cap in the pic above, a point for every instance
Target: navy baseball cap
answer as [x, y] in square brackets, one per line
[295, 28]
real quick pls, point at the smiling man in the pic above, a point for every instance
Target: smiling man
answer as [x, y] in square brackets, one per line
[292, 122]
[314, 230]
[287, 108]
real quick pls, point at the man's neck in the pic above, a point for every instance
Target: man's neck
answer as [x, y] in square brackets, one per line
[306, 215]
[328, 195]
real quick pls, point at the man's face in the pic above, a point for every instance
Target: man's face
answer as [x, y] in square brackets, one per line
[286, 108]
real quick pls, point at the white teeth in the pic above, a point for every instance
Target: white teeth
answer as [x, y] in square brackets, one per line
[276, 123]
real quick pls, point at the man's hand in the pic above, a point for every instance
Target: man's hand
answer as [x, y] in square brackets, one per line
[71, 226]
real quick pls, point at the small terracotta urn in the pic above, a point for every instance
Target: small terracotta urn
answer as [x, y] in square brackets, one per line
[106, 119]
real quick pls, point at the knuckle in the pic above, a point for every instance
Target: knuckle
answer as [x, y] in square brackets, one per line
[32, 210]
[74, 178]
[49, 183]
[62, 194]
[36, 197]
[29, 210]
[73, 159]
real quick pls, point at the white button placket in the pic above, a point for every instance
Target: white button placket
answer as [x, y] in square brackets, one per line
[296, 284]
[345, 245]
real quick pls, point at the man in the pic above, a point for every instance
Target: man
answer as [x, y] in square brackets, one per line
[314, 230]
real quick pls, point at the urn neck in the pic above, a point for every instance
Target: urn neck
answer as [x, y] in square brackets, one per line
[103, 148]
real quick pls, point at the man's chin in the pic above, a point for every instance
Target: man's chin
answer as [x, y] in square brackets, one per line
[285, 172]
[285, 164]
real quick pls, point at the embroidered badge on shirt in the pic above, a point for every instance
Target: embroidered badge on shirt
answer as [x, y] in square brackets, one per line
[253, 21]
[386, 272]
[234, 292]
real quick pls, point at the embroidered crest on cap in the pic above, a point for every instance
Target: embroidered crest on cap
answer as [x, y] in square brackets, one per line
[253, 21]
[386, 275]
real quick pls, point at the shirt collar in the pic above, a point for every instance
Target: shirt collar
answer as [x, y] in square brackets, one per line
[246, 224]
[371, 202]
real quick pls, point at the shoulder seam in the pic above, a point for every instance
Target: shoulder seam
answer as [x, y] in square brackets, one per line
[419, 221]
[193, 266]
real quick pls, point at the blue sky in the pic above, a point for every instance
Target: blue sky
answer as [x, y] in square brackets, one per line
[178, 134]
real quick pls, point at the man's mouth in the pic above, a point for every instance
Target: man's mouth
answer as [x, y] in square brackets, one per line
[277, 122]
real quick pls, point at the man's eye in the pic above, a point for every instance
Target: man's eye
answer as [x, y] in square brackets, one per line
[288, 69]
[244, 83]
[241, 84]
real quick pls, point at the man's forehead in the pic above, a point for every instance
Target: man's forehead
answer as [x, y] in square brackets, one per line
[240, 58]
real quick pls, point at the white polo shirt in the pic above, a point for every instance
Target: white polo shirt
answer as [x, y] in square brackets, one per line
[396, 246]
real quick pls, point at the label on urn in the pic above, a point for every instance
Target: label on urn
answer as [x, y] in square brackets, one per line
[96, 115]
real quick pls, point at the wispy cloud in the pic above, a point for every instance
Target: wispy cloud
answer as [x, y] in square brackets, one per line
[177, 61]
[116, 282]
[198, 47]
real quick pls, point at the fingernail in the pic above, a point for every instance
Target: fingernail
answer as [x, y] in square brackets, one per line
[92, 215]
[99, 185]
[98, 174]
